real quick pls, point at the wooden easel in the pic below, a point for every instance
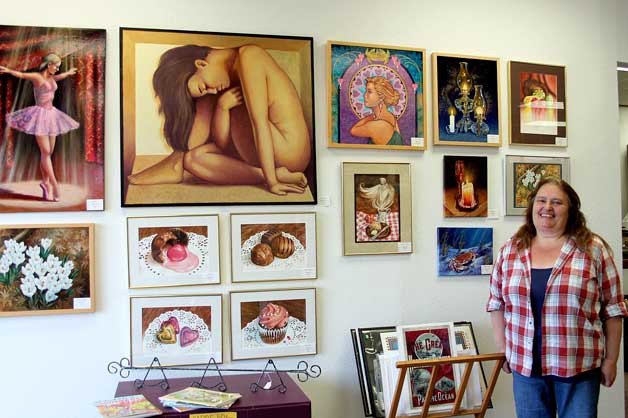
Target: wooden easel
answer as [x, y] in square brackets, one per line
[455, 411]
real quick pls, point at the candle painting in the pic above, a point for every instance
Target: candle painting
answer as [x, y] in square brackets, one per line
[465, 251]
[465, 186]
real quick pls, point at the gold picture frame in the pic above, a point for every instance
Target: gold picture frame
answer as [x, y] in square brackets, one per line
[387, 228]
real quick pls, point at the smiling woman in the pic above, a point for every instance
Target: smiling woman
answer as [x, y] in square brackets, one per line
[232, 116]
[556, 307]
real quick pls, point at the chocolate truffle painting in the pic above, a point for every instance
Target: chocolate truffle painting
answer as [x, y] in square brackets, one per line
[46, 269]
[176, 329]
[275, 323]
[173, 251]
[273, 246]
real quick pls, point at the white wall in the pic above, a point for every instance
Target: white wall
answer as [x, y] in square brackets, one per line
[55, 366]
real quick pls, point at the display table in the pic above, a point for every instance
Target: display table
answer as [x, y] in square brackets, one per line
[261, 404]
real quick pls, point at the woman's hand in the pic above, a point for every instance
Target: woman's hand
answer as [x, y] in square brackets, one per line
[72, 71]
[506, 367]
[283, 189]
[4, 69]
[230, 98]
[609, 372]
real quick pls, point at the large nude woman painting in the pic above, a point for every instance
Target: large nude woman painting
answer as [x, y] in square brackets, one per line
[216, 119]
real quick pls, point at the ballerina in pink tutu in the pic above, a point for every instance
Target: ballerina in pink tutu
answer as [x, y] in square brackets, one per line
[43, 120]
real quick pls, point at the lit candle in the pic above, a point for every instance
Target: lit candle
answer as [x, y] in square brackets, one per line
[452, 119]
[467, 194]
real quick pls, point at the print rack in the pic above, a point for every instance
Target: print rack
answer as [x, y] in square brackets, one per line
[303, 372]
[456, 410]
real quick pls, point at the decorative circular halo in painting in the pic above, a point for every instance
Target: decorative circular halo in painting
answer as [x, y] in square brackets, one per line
[357, 88]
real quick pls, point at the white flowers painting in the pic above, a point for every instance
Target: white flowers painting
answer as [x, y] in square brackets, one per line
[46, 269]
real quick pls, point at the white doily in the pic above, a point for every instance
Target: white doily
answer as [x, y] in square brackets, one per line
[197, 244]
[186, 319]
[296, 261]
[296, 334]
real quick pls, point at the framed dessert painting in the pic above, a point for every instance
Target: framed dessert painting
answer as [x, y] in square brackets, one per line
[273, 323]
[376, 96]
[176, 329]
[273, 246]
[466, 100]
[168, 98]
[423, 342]
[523, 173]
[53, 129]
[464, 251]
[465, 186]
[377, 208]
[173, 251]
[47, 269]
[538, 106]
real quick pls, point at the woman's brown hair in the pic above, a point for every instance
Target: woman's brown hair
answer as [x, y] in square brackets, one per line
[576, 226]
[175, 68]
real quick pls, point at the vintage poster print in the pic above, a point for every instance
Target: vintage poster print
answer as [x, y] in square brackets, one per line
[177, 330]
[46, 269]
[189, 100]
[173, 250]
[466, 100]
[376, 96]
[52, 118]
[465, 183]
[272, 324]
[465, 251]
[276, 246]
[377, 216]
[537, 100]
[430, 342]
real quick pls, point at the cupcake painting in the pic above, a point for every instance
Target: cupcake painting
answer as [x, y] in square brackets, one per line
[170, 251]
[274, 323]
[177, 330]
[273, 246]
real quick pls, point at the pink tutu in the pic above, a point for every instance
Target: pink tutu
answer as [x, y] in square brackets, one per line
[43, 118]
[38, 120]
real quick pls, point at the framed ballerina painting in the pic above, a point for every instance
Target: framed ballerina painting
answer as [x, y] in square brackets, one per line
[274, 323]
[52, 119]
[376, 96]
[273, 246]
[173, 251]
[189, 137]
[177, 330]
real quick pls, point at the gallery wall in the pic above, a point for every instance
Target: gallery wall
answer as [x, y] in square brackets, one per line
[55, 366]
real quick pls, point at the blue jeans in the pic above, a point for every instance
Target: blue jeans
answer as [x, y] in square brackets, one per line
[541, 397]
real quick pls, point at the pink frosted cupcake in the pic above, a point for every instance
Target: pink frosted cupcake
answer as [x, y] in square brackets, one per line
[273, 323]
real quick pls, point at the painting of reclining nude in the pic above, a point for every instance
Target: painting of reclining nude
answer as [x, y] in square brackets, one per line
[213, 118]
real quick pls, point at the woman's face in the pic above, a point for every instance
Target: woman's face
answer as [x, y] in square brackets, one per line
[210, 78]
[371, 98]
[53, 67]
[550, 211]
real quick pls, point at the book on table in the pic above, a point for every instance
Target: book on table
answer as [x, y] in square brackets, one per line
[136, 406]
[192, 397]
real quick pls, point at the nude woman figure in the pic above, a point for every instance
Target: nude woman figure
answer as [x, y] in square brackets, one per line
[201, 92]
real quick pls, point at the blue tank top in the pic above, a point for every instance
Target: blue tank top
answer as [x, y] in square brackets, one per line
[540, 277]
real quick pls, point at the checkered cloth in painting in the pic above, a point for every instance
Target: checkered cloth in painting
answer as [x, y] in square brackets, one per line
[582, 291]
[363, 219]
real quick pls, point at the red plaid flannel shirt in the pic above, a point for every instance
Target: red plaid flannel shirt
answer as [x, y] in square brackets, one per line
[582, 291]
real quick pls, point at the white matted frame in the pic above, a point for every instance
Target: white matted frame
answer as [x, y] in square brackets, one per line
[247, 232]
[297, 337]
[196, 262]
[197, 329]
[523, 174]
[429, 341]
